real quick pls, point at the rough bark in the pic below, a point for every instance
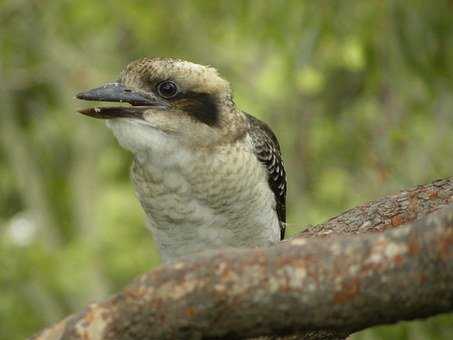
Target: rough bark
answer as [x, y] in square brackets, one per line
[321, 288]
[388, 212]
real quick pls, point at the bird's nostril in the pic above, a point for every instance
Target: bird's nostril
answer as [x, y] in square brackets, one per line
[127, 90]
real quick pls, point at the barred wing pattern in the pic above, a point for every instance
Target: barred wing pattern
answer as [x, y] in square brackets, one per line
[267, 150]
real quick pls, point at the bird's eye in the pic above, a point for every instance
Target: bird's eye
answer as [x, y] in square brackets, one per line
[167, 89]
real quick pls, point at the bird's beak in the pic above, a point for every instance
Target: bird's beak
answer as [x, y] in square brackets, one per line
[116, 92]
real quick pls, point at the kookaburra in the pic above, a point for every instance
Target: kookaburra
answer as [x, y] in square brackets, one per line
[207, 174]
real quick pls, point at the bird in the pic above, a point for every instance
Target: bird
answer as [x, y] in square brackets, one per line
[207, 174]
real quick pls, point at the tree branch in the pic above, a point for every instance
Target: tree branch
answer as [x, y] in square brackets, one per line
[323, 288]
[388, 212]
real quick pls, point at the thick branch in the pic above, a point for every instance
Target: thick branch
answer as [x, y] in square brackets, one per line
[388, 212]
[342, 284]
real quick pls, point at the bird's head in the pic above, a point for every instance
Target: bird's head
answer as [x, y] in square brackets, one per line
[171, 101]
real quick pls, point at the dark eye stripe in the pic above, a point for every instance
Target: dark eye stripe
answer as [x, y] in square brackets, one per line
[201, 106]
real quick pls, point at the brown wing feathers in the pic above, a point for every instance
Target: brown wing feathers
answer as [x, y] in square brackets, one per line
[267, 151]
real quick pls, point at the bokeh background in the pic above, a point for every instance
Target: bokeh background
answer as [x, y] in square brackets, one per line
[360, 94]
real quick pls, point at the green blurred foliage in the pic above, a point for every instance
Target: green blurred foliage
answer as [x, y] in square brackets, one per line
[359, 93]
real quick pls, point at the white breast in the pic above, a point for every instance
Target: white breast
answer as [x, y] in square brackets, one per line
[205, 199]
